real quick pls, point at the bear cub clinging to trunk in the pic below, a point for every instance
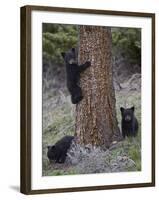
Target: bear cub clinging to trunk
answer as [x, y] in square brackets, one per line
[58, 151]
[129, 123]
[73, 71]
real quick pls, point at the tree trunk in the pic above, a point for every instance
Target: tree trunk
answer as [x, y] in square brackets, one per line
[96, 121]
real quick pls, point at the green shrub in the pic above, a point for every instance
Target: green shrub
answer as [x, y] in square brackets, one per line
[58, 38]
[127, 42]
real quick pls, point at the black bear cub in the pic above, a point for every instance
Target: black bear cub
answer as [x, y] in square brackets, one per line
[58, 151]
[73, 71]
[129, 123]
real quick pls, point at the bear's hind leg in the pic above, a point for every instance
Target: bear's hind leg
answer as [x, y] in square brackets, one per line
[76, 96]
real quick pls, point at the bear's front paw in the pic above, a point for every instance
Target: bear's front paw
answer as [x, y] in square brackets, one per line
[88, 63]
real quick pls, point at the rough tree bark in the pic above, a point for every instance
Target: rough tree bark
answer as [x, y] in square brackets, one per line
[96, 121]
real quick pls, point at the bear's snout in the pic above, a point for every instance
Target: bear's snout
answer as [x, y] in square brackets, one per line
[127, 118]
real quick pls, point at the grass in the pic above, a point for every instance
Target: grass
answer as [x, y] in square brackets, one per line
[59, 120]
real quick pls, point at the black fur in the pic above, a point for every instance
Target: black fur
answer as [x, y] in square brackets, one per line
[73, 71]
[58, 151]
[129, 123]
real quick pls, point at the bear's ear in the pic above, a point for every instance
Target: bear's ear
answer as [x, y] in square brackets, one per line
[133, 108]
[73, 49]
[48, 147]
[121, 109]
[63, 54]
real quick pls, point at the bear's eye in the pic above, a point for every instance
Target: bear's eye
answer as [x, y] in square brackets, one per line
[53, 147]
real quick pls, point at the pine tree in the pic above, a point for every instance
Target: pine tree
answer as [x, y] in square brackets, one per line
[96, 121]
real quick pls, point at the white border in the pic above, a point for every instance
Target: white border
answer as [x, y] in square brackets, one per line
[39, 182]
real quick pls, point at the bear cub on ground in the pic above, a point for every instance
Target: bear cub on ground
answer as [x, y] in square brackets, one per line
[129, 123]
[58, 151]
[73, 71]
